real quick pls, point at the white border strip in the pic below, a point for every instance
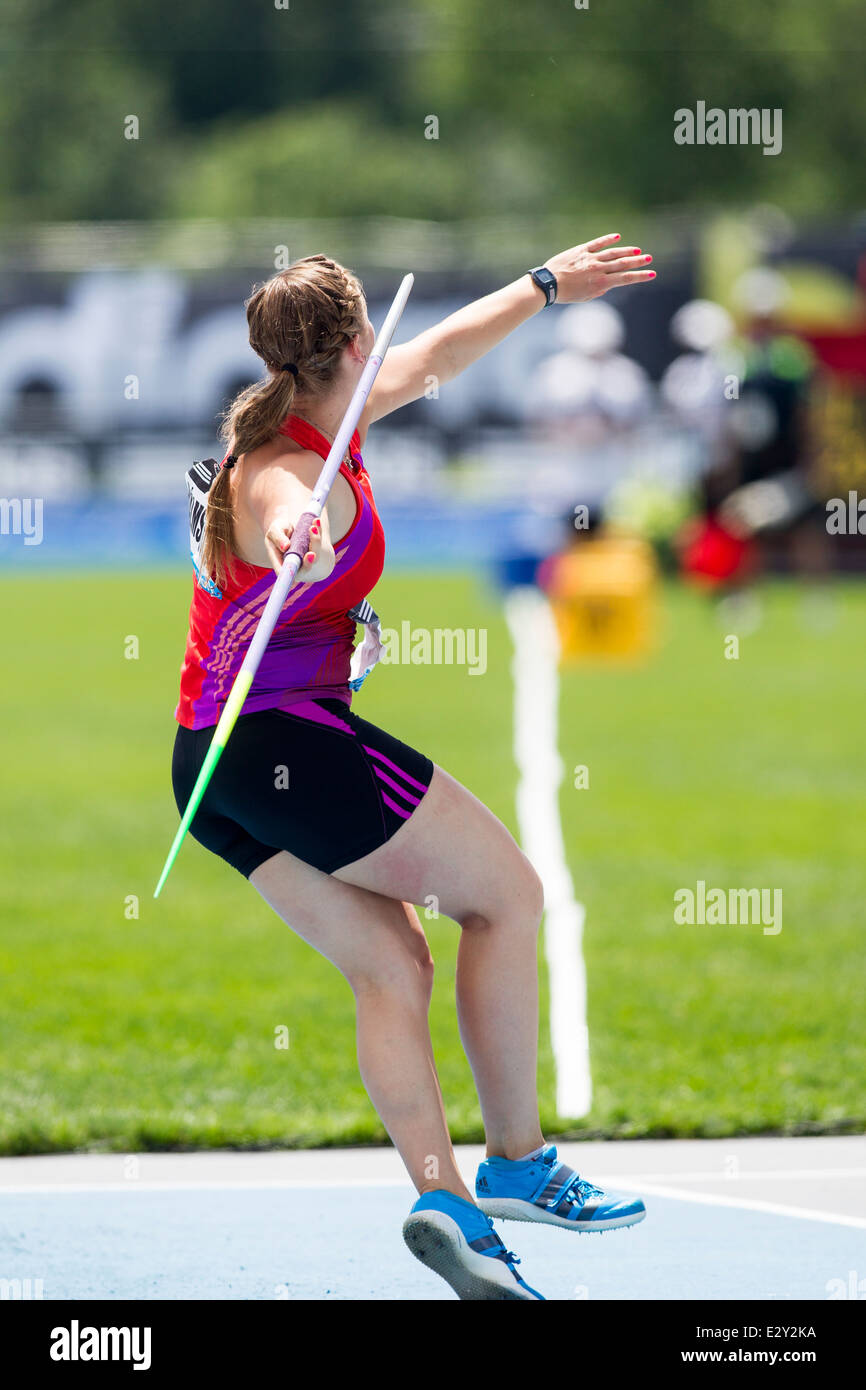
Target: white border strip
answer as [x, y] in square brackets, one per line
[709, 1199]
[676, 1194]
[663, 1184]
[71, 1189]
[535, 670]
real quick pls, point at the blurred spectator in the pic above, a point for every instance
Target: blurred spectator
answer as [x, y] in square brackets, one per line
[602, 588]
[768, 419]
[693, 387]
[773, 500]
[757, 490]
[589, 389]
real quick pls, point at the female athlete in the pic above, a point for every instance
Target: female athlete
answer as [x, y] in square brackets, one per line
[374, 826]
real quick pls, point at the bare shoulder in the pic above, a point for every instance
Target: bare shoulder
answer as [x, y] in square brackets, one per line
[269, 465]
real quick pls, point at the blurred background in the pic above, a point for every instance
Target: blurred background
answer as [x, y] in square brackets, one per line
[673, 465]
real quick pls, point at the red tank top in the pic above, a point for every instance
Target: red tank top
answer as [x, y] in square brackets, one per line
[310, 651]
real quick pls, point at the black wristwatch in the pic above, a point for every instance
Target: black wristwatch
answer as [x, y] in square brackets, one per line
[546, 282]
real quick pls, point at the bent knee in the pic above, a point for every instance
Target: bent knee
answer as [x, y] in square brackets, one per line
[403, 974]
[534, 893]
[410, 981]
[518, 900]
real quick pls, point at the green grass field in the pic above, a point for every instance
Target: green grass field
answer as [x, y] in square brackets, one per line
[157, 1030]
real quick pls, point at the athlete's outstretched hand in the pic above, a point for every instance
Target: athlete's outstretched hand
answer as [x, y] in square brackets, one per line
[588, 271]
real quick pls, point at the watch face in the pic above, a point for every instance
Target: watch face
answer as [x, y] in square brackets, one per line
[546, 280]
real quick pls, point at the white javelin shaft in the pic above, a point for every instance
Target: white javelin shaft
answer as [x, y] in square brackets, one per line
[292, 563]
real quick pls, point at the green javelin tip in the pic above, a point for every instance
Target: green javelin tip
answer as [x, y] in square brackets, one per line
[228, 719]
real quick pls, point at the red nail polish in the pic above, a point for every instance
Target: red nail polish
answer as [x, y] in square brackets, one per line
[309, 558]
[637, 252]
[647, 258]
[652, 275]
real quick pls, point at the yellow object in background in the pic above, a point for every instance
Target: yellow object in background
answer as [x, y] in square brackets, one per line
[603, 595]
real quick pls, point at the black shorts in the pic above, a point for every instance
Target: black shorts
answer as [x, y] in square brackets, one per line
[319, 781]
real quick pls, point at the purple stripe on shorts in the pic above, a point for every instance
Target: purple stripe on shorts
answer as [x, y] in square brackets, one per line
[394, 807]
[407, 796]
[413, 781]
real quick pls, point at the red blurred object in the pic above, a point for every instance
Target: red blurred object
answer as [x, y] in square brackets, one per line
[712, 554]
[841, 353]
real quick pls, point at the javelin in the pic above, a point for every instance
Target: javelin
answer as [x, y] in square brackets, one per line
[288, 572]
